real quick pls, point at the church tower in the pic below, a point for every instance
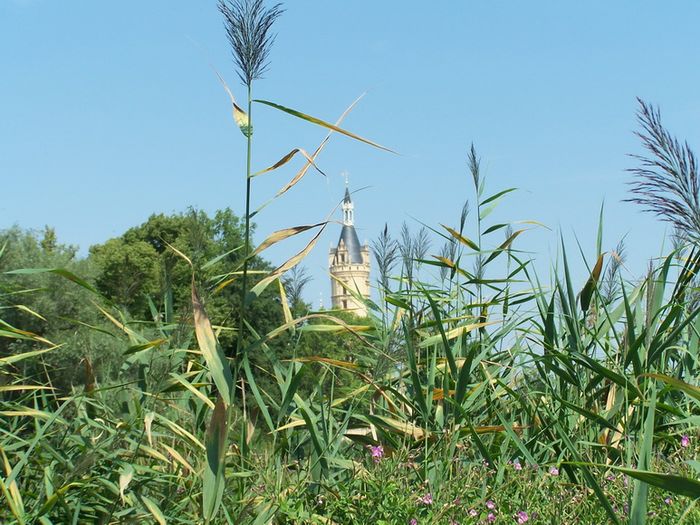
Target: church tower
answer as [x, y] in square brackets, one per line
[349, 263]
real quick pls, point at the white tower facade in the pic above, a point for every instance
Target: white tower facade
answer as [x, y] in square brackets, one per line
[349, 265]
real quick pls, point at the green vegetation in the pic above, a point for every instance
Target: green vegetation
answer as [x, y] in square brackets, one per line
[174, 376]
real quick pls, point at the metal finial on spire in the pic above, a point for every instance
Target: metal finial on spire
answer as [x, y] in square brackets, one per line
[346, 175]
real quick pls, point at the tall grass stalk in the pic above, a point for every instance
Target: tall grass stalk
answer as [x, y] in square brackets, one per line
[248, 24]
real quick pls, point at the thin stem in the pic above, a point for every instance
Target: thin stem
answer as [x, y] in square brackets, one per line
[246, 248]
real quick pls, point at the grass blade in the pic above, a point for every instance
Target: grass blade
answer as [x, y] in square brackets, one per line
[322, 123]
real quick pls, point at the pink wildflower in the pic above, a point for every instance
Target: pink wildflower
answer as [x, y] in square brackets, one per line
[491, 517]
[522, 517]
[668, 500]
[553, 471]
[413, 521]
[490, 505]
[517, 465]
[427, 499]
[473, 512]
[377, 453]
[685, 441]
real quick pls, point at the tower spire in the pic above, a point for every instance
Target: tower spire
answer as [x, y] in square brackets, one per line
[349, 263]
[348, 206]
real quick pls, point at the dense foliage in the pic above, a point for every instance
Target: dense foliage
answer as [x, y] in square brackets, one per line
[173, 376]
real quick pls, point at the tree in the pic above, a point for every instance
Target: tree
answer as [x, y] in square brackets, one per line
[50, 306]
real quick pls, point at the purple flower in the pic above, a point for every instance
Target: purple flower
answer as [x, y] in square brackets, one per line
[491, 517]
[427, 499]
[610, 477]
[517, 465]
[473, 512]
[377, 453]
[668, 500]
[685, 441]
[522, 517]
[413, 521]
[490, 505]
[553, 471]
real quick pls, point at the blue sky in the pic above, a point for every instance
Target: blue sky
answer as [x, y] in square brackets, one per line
[110, 112]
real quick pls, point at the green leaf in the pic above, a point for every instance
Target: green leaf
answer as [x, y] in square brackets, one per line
[503, 246]
[587, 292]
[691, 390]
[640, 494]
[57, 271]
[256, 392]
[670, 482]
[138, 348]
[496, 196]
[215, 444]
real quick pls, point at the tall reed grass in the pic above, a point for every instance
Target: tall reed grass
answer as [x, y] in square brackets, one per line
[467, 362]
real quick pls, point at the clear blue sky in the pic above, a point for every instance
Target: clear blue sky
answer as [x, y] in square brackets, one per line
[109, 112]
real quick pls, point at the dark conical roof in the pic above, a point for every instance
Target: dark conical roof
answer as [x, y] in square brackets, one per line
[347, 196]
[352, 244]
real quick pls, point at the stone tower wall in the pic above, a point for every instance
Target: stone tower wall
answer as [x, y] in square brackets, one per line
[354, 276]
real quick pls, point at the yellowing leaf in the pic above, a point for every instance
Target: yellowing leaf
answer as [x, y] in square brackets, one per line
[148, 421]
[288, 265]
[326, 360]
[289, 156]
[454, 333]
[461, 238]
[154, 510]
[239, 116]
[178, 457]
[125, 477]
[285, 304]
[216, 361]
[322, 123]
[294, 423]
[26, 412]
[283, 234]
[403, 427]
